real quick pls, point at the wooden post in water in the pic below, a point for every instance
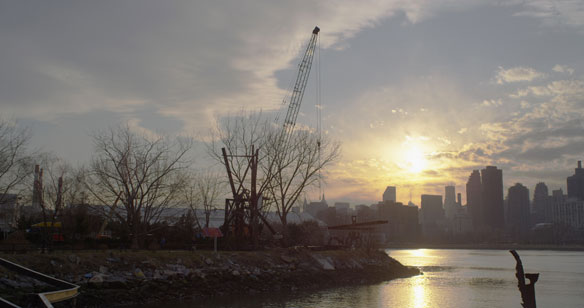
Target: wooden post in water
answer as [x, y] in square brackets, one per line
[527, 290]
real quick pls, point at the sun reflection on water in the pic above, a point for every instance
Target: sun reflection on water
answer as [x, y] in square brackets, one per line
[419, 294]
[418, 252]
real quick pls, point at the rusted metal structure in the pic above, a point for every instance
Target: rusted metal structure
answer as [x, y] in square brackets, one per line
[242, 212]
[527, 290]
[354, 235]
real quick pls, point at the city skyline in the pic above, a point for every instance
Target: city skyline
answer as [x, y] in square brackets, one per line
[451, 194]
[420, 94]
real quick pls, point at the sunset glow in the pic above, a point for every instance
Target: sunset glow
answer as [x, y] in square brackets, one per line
[415, 158]
[409, 109]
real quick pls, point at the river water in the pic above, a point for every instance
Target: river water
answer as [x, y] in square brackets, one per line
[452, 278]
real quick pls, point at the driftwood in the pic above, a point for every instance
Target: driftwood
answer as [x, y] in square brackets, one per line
[527, 290]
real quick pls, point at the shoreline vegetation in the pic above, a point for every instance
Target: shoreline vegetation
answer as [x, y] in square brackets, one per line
[491, 246]
[120, 278]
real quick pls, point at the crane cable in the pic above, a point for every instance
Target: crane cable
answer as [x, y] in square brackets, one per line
[319, 115]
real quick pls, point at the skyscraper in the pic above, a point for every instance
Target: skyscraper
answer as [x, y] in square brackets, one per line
[389, 194]
[432, 210]
[474, 197]
[540, 202]
[576, 183]
[518, 218]
[492, 197]
[450, 204]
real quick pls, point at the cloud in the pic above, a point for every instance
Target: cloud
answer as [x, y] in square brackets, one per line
[193, 61]
[517, 74]
[492, 102]
[563, 69]
[553, 13]
[547, 132]
[554, 88]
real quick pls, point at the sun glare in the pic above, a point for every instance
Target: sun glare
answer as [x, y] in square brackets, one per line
[415, 160]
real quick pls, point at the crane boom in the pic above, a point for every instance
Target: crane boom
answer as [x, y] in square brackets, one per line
[300, 84]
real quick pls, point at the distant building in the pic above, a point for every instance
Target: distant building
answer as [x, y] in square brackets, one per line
[343, 211]
[492, 197]
[432, 210]
[540, 203]
[402, 220]
[474, 197]
[451, 206]
[569, 212]
[365, 213]
[565, 211]
[315, 207]
[342, 207]
[461, 223]
[576, 183]
[389, 194]
[518, 214]
[556, 198]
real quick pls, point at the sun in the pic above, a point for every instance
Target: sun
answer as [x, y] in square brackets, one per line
[414, 158]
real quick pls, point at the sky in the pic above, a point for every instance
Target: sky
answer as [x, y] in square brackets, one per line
[419, 93]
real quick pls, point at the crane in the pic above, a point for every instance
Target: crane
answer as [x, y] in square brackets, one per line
[243, 207]
[300, 84]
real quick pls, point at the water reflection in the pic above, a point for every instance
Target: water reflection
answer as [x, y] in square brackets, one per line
[419, 293]
[452, 278]
[419, 252]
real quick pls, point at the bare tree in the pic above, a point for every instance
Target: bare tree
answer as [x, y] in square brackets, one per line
[15, 162]
[240, 135]
[289, 162]
[294, 165]
[144, 172]
[59, 183]
[202, 193]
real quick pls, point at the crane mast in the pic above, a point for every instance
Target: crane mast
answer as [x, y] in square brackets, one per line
[242, 211]
[300, 84]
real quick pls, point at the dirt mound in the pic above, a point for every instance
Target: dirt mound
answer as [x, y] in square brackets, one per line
[16, 238]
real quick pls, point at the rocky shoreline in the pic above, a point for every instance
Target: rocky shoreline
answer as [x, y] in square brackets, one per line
[126, 278]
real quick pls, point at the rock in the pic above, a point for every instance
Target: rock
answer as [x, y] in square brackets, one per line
[112, 260]
[97, 279]
[149, 262]
[287, 259]
[208, 261]
[14, 284]
[170, 273]
[157, 275]
[103, 269]
[139, 274]
[235, 273]
[116, 283]
[356, 265]
[326, 263]
[74, 259]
